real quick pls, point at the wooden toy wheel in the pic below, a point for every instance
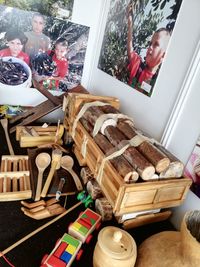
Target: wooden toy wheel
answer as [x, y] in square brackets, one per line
[98, 226]
[69, 226]
[79, 254]
[88, 239]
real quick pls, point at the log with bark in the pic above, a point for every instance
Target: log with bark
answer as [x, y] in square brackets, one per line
[159, 160]
[124, 168]
[176, 167]
[145, 169]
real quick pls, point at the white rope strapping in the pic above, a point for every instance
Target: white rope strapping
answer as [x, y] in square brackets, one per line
[104, 117]
[113, 155]
[82, 111]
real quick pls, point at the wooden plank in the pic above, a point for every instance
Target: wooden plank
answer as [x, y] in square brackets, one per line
[13, 196]
[41, 110]
[146, 219]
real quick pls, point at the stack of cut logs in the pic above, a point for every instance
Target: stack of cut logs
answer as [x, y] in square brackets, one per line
[134, 155]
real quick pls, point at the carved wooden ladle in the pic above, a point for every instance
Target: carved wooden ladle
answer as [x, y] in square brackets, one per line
[67, 163]
[42, 161]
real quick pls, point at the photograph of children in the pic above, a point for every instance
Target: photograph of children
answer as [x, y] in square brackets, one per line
[53, 48]
[192, 168]
[135, 41]
[60, 9]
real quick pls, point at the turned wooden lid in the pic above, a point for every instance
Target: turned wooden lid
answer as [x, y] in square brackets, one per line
[116, 243]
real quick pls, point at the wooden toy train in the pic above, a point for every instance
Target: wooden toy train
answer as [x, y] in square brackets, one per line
[69, 246]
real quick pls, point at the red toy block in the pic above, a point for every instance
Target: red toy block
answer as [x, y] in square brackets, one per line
[60, 249]
[55, 262]
[84, 223]
[90, 217]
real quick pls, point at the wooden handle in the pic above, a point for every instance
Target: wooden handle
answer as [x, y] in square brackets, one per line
[39, 186]
[11, 151]
[76, 180]
[49, 179]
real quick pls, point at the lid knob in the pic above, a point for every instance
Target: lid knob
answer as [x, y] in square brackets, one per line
[117, 236]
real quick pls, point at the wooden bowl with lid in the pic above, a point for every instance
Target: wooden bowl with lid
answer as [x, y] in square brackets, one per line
[115, 247]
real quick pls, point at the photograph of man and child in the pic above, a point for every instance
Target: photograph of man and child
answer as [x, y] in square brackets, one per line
[39, 40]
[136, 38]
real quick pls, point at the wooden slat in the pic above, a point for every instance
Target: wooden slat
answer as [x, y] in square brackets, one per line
[146, 219]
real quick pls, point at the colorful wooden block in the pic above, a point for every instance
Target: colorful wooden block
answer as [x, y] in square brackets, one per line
[66, 256]
[55, 262]
[61, 248]
[83, 230]
[89, 217]
[70, 249]
[76, 226]
[84, 223]
[71, 240]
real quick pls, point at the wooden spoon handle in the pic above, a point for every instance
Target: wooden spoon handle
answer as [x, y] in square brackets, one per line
[76, 179]
[49, 179]
[39, 186]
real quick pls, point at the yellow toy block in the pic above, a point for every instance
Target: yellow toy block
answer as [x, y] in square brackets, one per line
[70, 249]
[76, 226]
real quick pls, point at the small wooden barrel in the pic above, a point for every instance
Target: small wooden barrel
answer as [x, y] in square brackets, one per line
[115, 247]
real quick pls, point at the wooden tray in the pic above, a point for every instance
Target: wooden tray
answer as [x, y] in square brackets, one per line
[69, 186]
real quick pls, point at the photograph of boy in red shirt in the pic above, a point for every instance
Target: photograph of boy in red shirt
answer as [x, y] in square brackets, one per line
[141, 74]
[15, 42]
[61, 64]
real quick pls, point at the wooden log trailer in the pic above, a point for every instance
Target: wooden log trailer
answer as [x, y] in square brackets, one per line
[138, 177]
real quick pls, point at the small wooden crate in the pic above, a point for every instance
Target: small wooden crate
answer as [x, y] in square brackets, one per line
[15, 178]
[42, 135]
[124, 198]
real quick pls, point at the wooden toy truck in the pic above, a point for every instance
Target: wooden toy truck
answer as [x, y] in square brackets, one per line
[125, 198]
[69, 246]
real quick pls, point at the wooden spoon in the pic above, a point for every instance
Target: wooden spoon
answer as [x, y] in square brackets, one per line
[42, 161]
[67, 163]
[4, 123]
[55, 164]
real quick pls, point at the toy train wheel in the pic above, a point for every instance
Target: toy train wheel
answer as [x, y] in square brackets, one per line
[43, 260]
[98, 226]
[79, 254]
[88, 239]
[69, 226]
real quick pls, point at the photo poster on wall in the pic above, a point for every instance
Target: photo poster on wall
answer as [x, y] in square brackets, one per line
[192, 168]
[136, 38]
[52, 48]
